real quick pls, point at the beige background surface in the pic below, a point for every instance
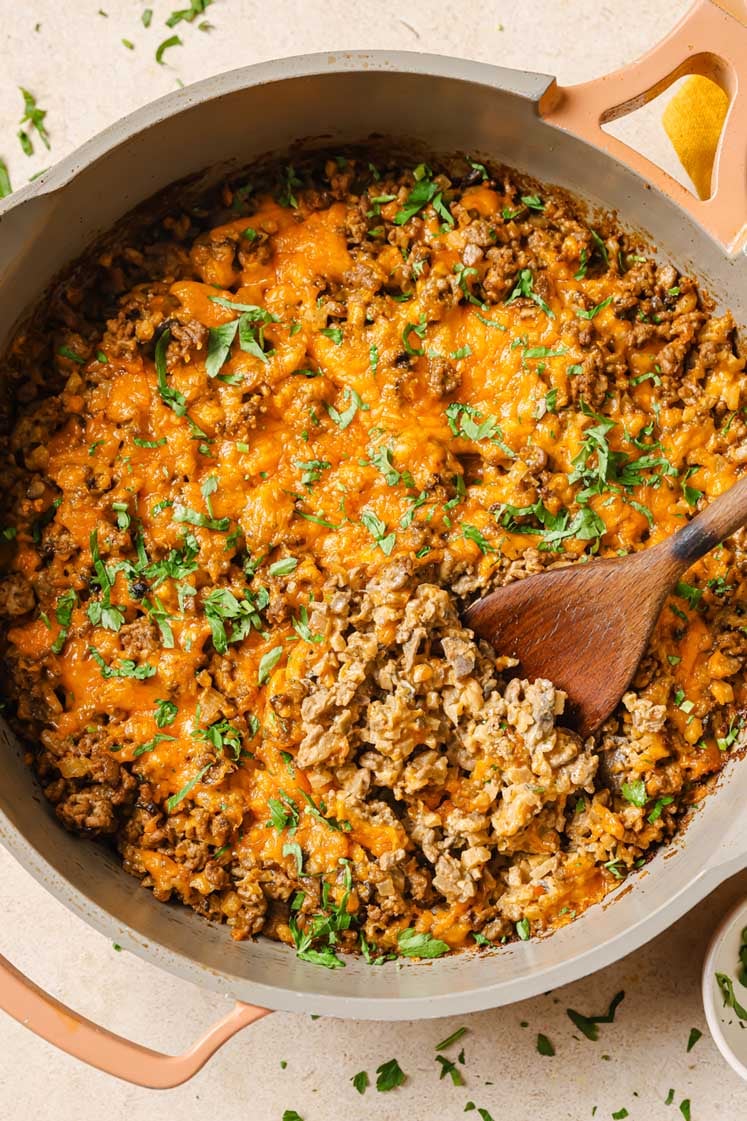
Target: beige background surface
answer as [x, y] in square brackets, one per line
[79, 70]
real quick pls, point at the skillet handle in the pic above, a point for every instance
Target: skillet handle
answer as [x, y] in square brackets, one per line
[710, 40]
[92, 1044]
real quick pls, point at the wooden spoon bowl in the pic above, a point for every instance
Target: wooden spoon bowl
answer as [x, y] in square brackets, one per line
[585, 626]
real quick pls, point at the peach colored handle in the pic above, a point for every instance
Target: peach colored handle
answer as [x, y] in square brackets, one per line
[711, 40]
[83, 1039]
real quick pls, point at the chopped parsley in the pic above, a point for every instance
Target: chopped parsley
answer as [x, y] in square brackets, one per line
[588, 1024]
[64, 614]
[343, 419]
[544, 1046]
[658, 806]
[167, 44]
[33, 116]
[302, 628]
[267, 664]
[451, 1039]
[283, 567]
[166, 713]
[413, 944]
[389, 1076]
[175, 799]
[5, 185]
[126, 668]
[378, 530]
[635, 792]
[524, 288]
[590, 313]
[360, 1081]
[184, 514]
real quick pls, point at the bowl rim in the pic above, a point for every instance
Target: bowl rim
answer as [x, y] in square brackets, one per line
[737, 915]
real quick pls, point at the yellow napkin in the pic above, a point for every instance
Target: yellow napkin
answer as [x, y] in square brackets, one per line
[693, 120]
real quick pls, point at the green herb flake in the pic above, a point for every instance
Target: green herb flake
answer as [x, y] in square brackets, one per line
[685, 1109]
[451, 1039]
[166, 713]
[450, 1068]
[588, 1024]
[389, 1076]
[167, 44]
[726, 985]
[283, 567]
[33, 116]
[544, 1046]
[175, 799]
[5, 184]
[523, 930]
[635, 792]
[692, 1039]
[360, 1081]
[267, 664]
[524, 288]
[658, 806]
[420, 945]
[66, 352]
[126, 668]
[591, 313]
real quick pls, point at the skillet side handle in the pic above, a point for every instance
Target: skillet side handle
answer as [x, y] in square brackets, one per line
[84, 1040]
[710, 40]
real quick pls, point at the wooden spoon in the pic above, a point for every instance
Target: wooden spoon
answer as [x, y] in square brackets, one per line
[585, 626]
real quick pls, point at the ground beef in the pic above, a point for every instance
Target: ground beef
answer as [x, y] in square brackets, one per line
[304, 424]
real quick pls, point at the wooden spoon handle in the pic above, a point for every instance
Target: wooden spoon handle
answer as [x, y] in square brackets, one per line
[724, 516]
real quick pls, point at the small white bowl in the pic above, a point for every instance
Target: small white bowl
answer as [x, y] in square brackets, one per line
[723, 957]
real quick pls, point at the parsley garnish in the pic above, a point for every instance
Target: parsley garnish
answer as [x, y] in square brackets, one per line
[377, 529]
[524, 287]
[594, 310]
[450, 1039]
[126, 668]
[360, 1081]
[658, 806]
[416, 329]
[175, 799]
[472, 533]
[5, 185]
[166, 713]
[635, 792]
[184, 514]
[34, 117]
[172, 41]
[389, 1076]
[413, 944]
[343, 419]
[523, 930]
[283, 567]
[151, 744]
[695, 1035]
[588, 1024]
[726, 985]
[267, 664]
[64, 614]
[544, 1046]
[302, 628]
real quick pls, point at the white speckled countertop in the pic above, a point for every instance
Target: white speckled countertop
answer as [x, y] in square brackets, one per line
[79, 69]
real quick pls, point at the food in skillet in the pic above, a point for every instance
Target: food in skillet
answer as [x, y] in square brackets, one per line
[261, 455]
